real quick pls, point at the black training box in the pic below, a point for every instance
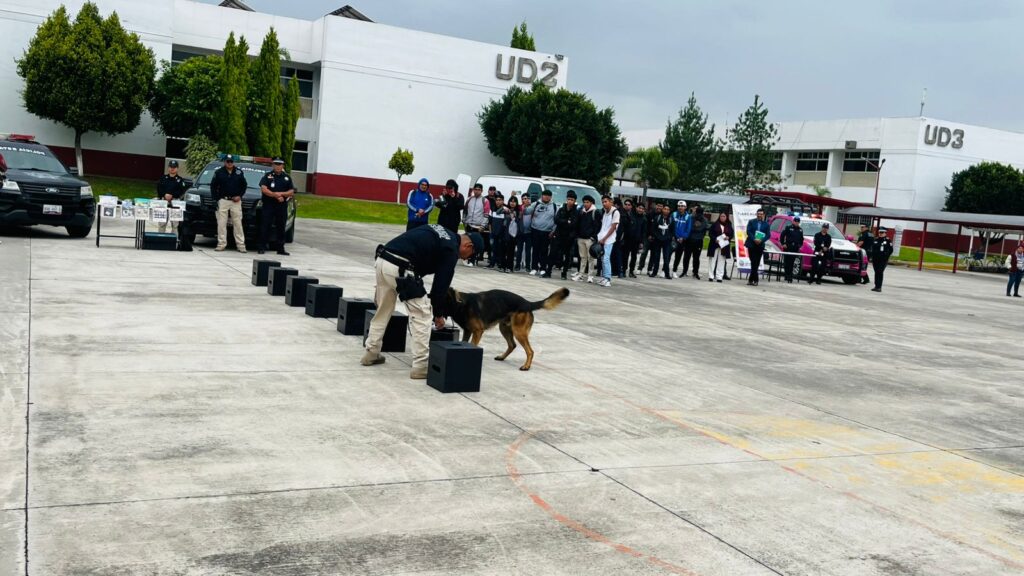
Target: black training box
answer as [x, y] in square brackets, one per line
[260, 271]
[454, 367]
[394, 334]
[277, 279]
[295, 290]
[352, 315]
[444, 335]
[322, 300]
[159, 241]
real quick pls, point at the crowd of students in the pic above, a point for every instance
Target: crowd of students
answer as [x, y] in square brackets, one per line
[616, 239]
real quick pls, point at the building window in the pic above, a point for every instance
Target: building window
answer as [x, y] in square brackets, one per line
[179, 56]
[305, 78]
[175, 147]
[812, 162]
[861, 161]
[777, 161]
[300, 156]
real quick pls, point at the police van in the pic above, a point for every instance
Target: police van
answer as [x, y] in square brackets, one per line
[37, 189]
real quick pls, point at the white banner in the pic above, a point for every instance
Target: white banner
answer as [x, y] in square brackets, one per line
[741, 214]
[897, 239]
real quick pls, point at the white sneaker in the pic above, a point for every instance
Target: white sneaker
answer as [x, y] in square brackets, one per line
[605, 283]
[590, 279]
[467, 263]
[675, 274]
[576, 277]
[533, 272]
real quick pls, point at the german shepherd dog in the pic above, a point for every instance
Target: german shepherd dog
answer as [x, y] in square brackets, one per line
[478, 312]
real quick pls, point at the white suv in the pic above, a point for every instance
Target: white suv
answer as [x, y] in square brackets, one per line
[534, 186]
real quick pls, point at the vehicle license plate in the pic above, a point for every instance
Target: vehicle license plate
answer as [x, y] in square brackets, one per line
[843, 266]
[52, 209]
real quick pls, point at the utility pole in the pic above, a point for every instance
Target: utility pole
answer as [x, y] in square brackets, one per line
[924, 94]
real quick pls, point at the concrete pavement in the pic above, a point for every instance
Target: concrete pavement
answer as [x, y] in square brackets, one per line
[182, 421]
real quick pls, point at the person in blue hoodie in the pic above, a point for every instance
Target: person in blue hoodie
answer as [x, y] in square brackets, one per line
[420, 203]
[681, 223]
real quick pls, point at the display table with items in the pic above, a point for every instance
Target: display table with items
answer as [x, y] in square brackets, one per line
[142, 211]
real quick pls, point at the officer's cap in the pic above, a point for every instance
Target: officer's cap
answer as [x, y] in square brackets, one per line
[880, 230]
[796, 218]
[277, 160]
[824, 225]
[571, 194]
[172, 164]
[229, 158]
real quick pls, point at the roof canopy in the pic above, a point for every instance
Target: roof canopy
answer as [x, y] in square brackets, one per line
[787, 198]
[987, 221]
[698, 197]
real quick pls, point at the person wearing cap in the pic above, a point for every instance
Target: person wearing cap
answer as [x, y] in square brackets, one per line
[420, 203]
[758, 231]
[475, 214]
[170, 187]
[400, 267]
[542, 230]
[681, 222]
[881, 250]
[864, 241]
[227, 188]
[449, 206]
[822, 252]
[792, 240]
[566, 220]
[277, 189]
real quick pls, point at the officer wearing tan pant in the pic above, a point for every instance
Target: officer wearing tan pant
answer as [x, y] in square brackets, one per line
[400, 267]
[227, 188]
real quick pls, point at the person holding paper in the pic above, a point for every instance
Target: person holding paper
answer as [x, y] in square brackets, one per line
[757, 233]
[720, 248]
[170, 187]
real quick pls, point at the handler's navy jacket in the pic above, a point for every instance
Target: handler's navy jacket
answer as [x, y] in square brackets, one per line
[276, 183]
[173, 185]
[227, 184]
[430, 249]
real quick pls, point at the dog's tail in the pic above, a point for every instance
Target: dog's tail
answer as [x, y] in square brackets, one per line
[551, 302]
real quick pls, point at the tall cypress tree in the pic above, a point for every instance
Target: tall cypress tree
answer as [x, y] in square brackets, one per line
[690, 142]
[234, 80]
[266, 106]
[749, 155]
[292, 110]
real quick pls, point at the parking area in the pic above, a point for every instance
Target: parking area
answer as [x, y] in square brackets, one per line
[160, 415]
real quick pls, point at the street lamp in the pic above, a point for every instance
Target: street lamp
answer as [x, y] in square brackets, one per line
[878, 177]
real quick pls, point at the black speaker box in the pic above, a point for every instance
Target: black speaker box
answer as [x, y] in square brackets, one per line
[260, 271]
[277, 279]
[295, 290]
[322, 300]
[394, 334]
[159, 241]
[352, 315]
[454, 367]
[444, 335]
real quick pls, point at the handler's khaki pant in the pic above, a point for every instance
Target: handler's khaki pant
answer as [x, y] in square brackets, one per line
[226, 208]
[420, 315]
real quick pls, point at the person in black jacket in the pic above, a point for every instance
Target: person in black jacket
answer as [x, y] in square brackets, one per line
[822, 253]
[662, 236]
[695, 242]
[651, 217]
[498, 222]
[792, 240]
[170, 187]
[864, 242]
[619, 258]
[449, 206]
[636, 239]
[881, 250]
[277, 189]
[227, 188]
[718, 255]
[566, 222]
[588, 225]
[400, 267]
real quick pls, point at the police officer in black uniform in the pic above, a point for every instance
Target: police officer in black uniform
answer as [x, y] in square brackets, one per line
[277, 189]
[864, 242]
[170, 187]
[881, 250]
[822, 251]
[400, 267]
[792, 240]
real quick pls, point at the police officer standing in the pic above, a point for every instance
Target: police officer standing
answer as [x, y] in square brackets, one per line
[277, 189]
[227, 188]
[864, 242]
[400, 267]
[822, 250]
[170, 187]
[792, 239]
[881, 250]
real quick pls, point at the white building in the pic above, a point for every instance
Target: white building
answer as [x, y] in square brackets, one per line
[367, 89]
[920, 157]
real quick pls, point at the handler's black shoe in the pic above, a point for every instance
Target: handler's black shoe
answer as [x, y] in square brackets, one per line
[260, 251]
[283, 252]
[876, 289]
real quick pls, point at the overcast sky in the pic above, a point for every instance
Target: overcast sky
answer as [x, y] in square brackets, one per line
[808, 59]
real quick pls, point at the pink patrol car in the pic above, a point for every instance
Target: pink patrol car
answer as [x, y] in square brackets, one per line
[848, 262]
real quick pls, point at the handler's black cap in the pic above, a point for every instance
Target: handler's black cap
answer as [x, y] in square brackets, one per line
[478, 243]
[277, 160]
[229, 158]
[880, 230]
[172, 164]
[825, 225]
[571, 194]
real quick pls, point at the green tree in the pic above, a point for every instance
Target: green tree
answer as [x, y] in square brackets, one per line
[748, 157]
[266, 99]
[292, 111]
[522, 39]
[821, 191]
[690, 142]
[234, 81]
[200, 151]
[987, 188]
[90, 75]
[653, 169]
[186, 98]
[553, 132]
[402, 163]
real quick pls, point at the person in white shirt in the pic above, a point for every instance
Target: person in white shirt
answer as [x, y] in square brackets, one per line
[606, 237]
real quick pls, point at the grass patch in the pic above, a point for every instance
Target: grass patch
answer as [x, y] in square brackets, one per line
[123, 188]
[912, 254]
